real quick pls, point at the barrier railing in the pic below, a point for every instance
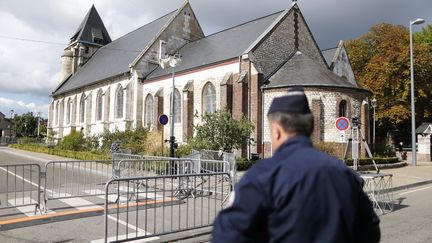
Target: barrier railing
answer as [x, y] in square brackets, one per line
[184, 202]
[151, 166]
[20, 186]
[378, 188]
[66, 179]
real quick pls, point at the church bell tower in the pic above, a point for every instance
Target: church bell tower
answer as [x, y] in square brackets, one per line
[87, 39]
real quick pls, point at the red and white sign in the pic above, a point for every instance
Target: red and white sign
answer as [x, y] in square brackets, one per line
[342, 123]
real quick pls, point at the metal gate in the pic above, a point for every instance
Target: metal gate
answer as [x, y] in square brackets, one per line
[20, 186]
[178, 203]
[66, 179]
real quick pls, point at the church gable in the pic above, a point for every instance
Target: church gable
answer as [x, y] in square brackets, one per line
[288, 34]
[341, 64]
[181, 29]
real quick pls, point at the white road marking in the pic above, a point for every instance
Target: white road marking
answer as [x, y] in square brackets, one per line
[21, 178]
[141, 193]
[79, 203]
[111, 197]
[120, 237]
[140, 231]
[27, 210]
[416, 190]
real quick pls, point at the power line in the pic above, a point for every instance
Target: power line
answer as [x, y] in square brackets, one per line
[31, 40]
[58, 43]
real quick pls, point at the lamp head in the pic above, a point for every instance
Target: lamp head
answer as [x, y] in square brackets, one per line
[418, 21]
[373, 102]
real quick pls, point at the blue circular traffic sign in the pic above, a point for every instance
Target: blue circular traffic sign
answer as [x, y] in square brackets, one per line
[163, 119]
[342, 123]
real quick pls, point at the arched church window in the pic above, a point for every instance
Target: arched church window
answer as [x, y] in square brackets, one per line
[57, 113]
[209, 98]
[99, 105]
[68, 111]
[177, 106]
[149, 112]
[119, 100]
[343, 108]
[82, 109]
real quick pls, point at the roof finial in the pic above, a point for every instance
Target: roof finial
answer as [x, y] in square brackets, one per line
[294, 2]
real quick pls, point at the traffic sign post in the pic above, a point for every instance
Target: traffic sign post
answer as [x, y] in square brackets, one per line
[342, 124]
[163, 120]
[342, 138]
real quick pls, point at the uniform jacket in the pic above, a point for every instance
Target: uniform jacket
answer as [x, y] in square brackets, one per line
[299, 195]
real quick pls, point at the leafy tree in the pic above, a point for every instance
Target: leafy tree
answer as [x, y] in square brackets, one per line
[135, 140]
[425, 36]
[381, 63]
[73, 141]
[221, 131]
[25, 125]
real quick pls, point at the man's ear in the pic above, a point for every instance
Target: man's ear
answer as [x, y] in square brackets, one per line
[278, 131]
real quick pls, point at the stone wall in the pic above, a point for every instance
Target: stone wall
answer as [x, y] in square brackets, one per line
[324, 105]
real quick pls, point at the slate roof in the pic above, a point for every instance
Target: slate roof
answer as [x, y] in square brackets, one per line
[329, 55]
[114, 58]
[221, 46]
[91, 26]
[424, 128]
[302, 70]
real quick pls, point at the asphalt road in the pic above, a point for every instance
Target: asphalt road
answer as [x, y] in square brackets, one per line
[81, 179]
[412, 219]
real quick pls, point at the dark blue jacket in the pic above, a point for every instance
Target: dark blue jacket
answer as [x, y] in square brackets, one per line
[299, 195]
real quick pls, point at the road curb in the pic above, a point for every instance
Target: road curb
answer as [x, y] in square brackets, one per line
[408, 186]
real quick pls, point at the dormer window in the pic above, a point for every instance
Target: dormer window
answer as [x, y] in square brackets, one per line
[97, 36]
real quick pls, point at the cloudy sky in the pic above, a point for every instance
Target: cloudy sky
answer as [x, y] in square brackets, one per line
[34, 33]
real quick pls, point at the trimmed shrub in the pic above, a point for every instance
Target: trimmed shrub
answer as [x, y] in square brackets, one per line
[379, 161]
[74, 141]
[27, 140]
[244, 164]
[80, 155]
[135, 140]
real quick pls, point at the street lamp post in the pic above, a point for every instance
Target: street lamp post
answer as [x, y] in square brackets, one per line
[413, 134]
[38, 122]
[373, 104]
[172, 61]
[10, 127]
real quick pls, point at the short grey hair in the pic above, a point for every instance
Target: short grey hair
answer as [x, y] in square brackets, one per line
[301, 124]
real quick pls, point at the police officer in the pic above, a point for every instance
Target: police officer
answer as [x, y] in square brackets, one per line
[300, 194]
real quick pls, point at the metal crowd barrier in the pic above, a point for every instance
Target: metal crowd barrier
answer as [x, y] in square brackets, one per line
[159, 166]
[151, 166]
[378, 188]
[184, 202]
[220, 156]
[66, 179]
[20, 186]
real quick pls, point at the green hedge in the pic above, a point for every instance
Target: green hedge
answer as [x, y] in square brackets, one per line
[62, 153]
[243, 164]
[379, 161]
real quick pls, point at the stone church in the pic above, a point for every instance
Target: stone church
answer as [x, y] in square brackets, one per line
[119, 84]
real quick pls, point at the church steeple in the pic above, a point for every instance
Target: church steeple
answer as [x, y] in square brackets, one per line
[87, 39]
[92, 29]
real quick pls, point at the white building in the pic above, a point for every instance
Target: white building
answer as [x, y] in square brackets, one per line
[108, 85]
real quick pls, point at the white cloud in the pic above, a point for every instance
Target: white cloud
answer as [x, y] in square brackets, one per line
[21, 107]
[33, 68]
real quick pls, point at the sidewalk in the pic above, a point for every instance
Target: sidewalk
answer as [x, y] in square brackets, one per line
[403, 177]
[409, 175]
